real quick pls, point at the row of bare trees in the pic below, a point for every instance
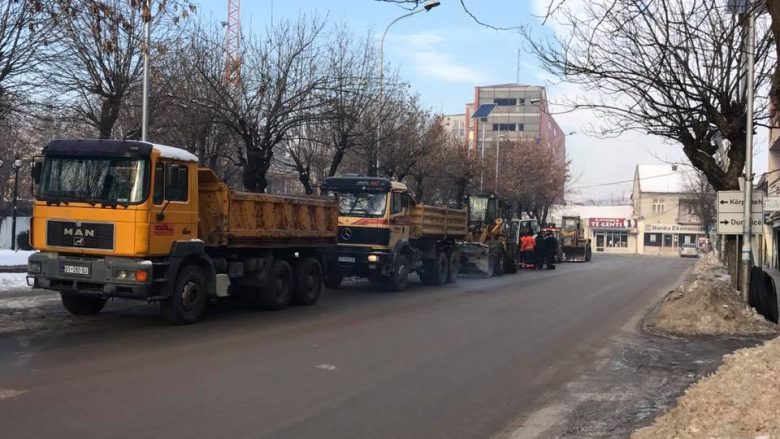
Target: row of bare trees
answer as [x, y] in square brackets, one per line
[307, 102]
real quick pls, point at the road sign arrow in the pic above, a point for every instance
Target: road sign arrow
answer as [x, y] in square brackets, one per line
[724, 202]
[724, 222]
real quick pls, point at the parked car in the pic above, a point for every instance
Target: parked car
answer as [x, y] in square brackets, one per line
[689, 251]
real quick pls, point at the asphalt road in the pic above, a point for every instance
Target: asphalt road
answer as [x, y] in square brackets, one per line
[459, 361]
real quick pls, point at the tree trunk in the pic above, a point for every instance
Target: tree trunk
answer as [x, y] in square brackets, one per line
[109, 113]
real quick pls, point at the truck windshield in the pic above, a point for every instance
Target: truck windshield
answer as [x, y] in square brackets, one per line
[109, 180]
[367, 204]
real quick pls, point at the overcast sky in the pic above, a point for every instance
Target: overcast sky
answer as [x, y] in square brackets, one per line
[443, 54]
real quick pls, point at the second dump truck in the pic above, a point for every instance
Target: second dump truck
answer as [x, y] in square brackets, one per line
[142, 221]
[385, 235]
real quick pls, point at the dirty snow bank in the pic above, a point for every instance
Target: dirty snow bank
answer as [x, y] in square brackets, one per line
[14, 258]
[705, 304]
[738, 401]
[13, 281]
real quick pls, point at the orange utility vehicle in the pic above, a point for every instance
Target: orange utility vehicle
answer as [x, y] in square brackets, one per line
[385, 235]
[141, 221]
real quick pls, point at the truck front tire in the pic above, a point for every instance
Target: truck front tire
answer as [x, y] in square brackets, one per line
[82, 305]
[188, 301]
[399, 278]
[307, 277]
[278, 292]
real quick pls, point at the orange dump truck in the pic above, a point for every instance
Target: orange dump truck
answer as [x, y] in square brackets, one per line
[137, 220]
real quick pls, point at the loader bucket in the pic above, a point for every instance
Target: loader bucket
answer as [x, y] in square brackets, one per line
[477, 260]
[574, 254]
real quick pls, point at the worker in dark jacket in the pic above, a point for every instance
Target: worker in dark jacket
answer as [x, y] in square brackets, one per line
[551, 248]
[540, 250]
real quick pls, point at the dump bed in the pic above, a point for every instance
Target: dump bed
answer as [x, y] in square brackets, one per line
[438, 222]
[241, 219]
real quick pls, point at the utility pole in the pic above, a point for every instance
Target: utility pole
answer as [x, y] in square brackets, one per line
[748, 205]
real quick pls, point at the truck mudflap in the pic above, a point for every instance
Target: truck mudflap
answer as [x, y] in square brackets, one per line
[106, 277]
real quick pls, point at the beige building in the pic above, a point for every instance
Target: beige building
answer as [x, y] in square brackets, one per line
[664, 211]
[611, 229]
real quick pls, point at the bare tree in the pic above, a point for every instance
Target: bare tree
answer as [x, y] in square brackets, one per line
[275, 94]
[703, 197]
[671, 68]
[97, 61]
[24, 32]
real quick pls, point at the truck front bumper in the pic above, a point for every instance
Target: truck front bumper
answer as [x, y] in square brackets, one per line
[106, 277]
[358, 261]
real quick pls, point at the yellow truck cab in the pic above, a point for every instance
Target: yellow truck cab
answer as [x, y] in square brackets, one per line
[137, 220]
[384, 234]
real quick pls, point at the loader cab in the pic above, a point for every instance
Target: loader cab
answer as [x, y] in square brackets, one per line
[483, 210]
[373, 212]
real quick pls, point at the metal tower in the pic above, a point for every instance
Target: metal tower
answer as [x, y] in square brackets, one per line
[233, 42]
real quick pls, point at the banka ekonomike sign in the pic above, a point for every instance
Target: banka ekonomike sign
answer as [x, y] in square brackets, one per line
[611, 223]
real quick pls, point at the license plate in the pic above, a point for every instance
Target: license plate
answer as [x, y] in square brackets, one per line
[77, 270]
[348, 259]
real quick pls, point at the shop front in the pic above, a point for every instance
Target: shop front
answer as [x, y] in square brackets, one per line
[613, 235]
[666, 239]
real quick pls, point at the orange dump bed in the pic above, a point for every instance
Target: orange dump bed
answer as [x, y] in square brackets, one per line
[241, 219]
[438, 222]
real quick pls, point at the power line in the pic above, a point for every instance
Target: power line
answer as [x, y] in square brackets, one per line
[623, 181]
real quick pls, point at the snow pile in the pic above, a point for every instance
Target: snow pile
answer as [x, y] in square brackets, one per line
[13, 281]
[738, 401]
[173, 153]
[14, 258]
[707, 305]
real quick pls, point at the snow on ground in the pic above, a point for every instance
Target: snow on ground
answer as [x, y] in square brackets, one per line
[13, 282]
[13, 258]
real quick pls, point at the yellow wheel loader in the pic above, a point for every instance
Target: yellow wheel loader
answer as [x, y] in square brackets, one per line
[489, 248]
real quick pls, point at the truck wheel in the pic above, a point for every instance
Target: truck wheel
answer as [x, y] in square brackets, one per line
[588, 254]
[189, 297]
[82, 305]
[307, 278]
[399, 278]
[436, 270]
[333, 279]
[454, 268]
[278, 292]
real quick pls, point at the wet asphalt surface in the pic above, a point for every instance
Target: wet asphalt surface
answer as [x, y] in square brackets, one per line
[538, 354]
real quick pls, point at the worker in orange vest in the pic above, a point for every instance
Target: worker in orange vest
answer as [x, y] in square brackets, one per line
[527, 250]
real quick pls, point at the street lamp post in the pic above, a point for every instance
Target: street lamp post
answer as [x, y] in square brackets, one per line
[430, 4]
[145, 99]
[17, 165]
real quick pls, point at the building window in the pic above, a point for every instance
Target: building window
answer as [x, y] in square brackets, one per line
[521, 101]
[652, 239]
[506, 127]
[617, 239]
[658, 205]
[505, 102]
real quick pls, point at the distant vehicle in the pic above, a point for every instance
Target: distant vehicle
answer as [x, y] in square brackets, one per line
[574, 245]
[689, 251]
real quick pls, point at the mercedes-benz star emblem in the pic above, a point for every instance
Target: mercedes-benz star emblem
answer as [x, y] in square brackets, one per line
[346, 234]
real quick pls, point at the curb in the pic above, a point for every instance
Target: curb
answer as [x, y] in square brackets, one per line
[13, 268]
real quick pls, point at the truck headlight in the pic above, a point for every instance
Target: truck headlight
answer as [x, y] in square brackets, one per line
[34, 267]
[130, 274]
[373, 258]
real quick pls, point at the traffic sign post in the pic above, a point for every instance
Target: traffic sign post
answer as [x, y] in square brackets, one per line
[731, 206]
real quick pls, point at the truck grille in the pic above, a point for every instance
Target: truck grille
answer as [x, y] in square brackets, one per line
[364, 235]
[84, 235]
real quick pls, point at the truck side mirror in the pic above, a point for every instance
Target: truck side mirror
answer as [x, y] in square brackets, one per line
[37, 167]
